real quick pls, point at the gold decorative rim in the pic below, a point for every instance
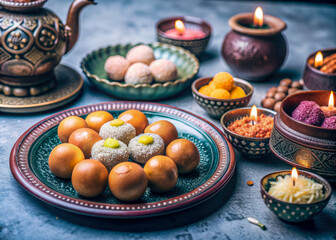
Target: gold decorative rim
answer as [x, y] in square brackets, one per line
[155, 85]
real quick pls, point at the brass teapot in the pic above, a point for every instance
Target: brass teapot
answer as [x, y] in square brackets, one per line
[33, 41]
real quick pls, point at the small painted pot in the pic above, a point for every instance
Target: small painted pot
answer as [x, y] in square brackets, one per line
[217, 107]
[249, 146]
[254, 54]
[196, 46]
[294, 212]
[315, 79]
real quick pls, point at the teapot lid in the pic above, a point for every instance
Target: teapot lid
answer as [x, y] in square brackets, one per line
[22, 5]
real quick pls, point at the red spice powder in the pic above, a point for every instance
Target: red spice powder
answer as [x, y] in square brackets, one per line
[261, 129]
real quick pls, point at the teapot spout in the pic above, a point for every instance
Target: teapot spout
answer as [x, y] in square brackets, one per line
[72, 23]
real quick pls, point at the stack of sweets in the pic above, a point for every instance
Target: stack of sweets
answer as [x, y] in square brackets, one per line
[329, 64]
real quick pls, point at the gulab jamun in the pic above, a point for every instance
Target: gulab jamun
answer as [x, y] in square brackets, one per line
[89, 178]
[127, 181]
[63, 159]
[165, 129]
[68, 126]
[97, 119]
[84, 138]
[185, 155]
[136, 118]
[161, 173]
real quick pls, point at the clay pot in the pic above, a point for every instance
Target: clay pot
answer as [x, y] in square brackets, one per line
[254, 54]
[315, 79]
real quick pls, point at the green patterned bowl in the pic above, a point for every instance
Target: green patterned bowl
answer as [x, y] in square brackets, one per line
[187, 65]
[294, 212]
[29, 165]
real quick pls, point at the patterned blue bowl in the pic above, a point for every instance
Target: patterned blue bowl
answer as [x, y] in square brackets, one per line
[294, 212]
[217, 107]
[251, 147]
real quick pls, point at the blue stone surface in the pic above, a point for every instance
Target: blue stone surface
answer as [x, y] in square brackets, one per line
[310, 27]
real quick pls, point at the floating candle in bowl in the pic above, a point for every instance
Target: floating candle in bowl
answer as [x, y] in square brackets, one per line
[255, 48]
[329, 110]
[320, 70]
[295, 196]
[188, 32]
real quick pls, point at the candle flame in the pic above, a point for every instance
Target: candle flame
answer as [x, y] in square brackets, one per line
[294, 175]
[258, 18]
[318, 60]
[331, 100]
[179, 26]
[254, 113]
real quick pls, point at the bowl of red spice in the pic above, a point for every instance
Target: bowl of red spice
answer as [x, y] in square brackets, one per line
[249, 135]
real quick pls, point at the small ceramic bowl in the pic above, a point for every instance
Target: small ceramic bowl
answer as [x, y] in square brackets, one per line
[315, 79]
[217, 107]
[196, 46]
[186, 63]
[249, 146]
[294, 212]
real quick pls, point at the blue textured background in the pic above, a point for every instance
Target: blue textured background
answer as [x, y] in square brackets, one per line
[310, 27]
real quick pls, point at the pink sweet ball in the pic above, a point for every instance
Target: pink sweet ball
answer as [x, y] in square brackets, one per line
[329, 122]
[138, 73]
[116, 67]
[141, 54]
[308, 112]
[163, 70]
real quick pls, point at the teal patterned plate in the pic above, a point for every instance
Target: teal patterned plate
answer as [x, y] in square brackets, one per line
[29, 165]
[187, 65]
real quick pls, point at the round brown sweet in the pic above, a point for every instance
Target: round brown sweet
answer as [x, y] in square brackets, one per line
[163, 70]
[116, 67]
[97, 119]
[68, 126]
[127, 181]
[138, 73]
[140, 54]
[63, 159]
[89, 178]
[268, 103]
[85, 138]
[136, 118]
[279, 96]
[285, 82]
[185, 155]
[283, 89]
[292, 90]
[161, 172]
[165, 129]
[277, 107]
[297, 85]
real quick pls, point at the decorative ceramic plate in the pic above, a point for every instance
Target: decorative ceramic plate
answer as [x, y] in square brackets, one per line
[186, 63]
[29, 165]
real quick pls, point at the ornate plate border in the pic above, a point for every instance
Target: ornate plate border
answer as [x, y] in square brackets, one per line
[22, 173]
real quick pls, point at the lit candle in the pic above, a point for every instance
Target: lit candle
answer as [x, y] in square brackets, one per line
[182, 33]
[296, 188]
[254, 115]
[258, 18]
[329, 110]
[318, 60]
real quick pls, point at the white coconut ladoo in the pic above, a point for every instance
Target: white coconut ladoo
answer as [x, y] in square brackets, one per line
[119, 130]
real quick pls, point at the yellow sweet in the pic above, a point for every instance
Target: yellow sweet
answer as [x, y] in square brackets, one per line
[146, 140]
[117, 122]
[223, 80]
[220, 93]
[111, 143]
[205, 90]
[237, 92]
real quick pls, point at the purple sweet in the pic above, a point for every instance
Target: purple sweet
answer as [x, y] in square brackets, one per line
[309, 112]
[329, 122]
